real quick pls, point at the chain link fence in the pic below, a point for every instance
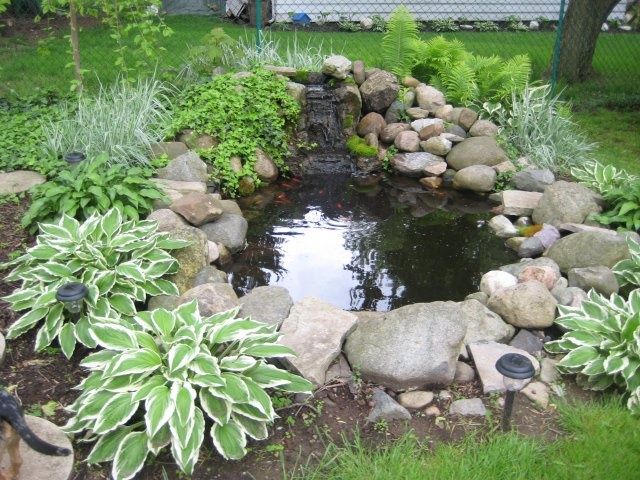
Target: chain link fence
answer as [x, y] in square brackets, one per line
[353, 28]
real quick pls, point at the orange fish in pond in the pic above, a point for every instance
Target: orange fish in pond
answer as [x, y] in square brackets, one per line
[339, 206]
[282, 199]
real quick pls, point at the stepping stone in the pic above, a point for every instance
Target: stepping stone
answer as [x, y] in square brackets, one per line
[469, 407]
[485, 355]
[36, 466]
[19, 181]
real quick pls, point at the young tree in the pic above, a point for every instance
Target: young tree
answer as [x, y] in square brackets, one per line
[582, 25]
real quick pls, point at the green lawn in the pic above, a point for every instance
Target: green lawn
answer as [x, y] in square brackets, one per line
[602, 440]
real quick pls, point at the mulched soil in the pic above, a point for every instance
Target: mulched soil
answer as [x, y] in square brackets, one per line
[27, 29]
[297, 438]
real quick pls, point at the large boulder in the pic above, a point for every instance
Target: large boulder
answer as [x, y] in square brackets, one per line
[337, 66]
[525, 305]
[414, 164]
[212, 298]
[19, 181]
[191, 259]
[484, 325]
[566, 202]
[410, 347]
[198, 208]
[229, 230]
[477, 178]
[429, 98]
[188, 167]
[476, 151]
[379, 91]
[588, 249]
[315, 330]
[269, 304]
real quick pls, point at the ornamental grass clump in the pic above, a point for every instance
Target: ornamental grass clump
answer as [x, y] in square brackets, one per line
[122, 120]
[539, 125]
[170, 377]
[120, 262]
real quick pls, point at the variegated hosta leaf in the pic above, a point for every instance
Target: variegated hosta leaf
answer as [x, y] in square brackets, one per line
[120, 262]
[602, 342]
[628, 271]
[169, 371]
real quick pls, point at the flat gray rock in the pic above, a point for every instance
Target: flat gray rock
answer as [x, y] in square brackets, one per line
[269, 304]
[167, 219]
[212, 298]
[414, 164]
[229, 230]
[386, 408]
[468, 407]
[533, 180]
[19, 181]
[315, 330]
[516, 269]
[527, 341]
[36, 466]
[588, 249]
[410, 347]
[485, 355]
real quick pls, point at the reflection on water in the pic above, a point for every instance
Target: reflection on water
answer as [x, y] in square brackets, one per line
[374, 250]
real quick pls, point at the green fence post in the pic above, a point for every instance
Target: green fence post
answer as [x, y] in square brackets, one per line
[259, 25]
[556, 49]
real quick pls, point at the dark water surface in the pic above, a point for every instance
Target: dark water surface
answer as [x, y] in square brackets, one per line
[366, 249]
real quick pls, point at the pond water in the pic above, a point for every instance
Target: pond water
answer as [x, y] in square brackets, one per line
[375, 248]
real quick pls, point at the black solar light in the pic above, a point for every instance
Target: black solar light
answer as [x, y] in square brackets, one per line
[74, 158]
[72, 295]
[517, 370]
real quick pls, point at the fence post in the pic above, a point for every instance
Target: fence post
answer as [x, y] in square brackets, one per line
[557, 49]
[259, 25]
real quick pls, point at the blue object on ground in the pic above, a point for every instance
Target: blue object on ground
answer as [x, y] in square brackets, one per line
[301, 19]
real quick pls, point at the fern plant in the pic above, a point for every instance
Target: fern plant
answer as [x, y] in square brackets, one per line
[399, 42]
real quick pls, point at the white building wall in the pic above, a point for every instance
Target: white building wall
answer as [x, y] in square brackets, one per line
[495, 10]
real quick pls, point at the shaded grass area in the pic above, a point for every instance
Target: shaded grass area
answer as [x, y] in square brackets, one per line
[617, 136]
[602, 440]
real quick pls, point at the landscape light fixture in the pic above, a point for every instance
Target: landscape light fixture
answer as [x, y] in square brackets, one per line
[72, 295]
[517, 370]
[74, 158]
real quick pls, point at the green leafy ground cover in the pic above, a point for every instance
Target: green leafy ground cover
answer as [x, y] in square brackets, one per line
[602, 440]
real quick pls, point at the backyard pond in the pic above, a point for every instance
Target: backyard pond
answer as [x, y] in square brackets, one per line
[360, 247]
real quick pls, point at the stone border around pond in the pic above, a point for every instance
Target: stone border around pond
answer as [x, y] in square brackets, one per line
[425, 344]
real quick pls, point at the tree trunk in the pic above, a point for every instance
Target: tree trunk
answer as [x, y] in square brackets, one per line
[582, 25]
[75, 44]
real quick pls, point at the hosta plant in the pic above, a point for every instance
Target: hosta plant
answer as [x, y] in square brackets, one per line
[172, 377]
[120, 262]
[602, 343]
[628, 271]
